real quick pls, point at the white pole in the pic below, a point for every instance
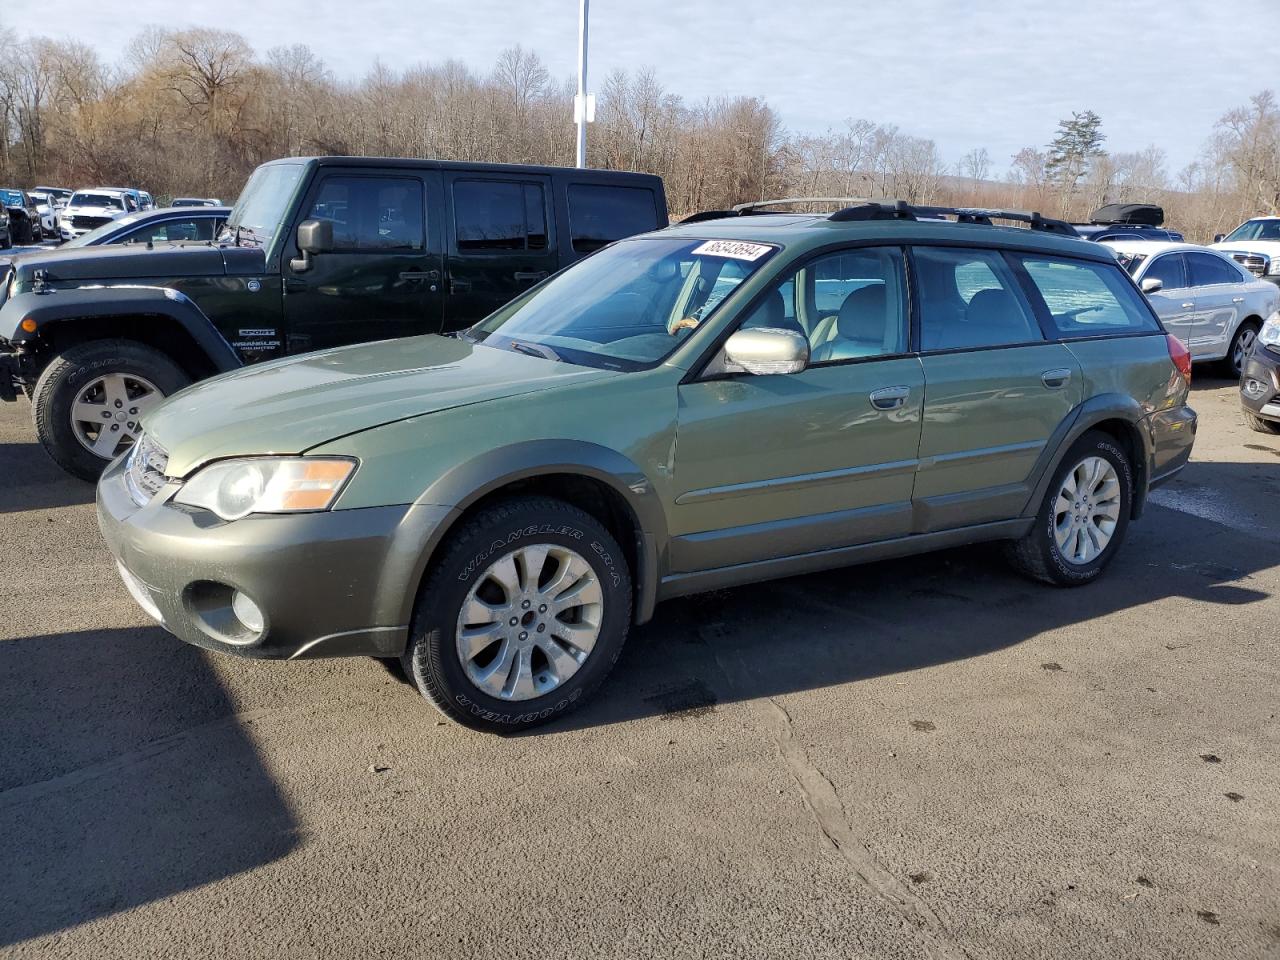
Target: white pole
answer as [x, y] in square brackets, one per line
[582, 83]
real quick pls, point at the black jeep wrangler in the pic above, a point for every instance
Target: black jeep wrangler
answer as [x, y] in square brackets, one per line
[318, 252]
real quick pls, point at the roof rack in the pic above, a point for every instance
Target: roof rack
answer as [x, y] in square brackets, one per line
[755, 207]
[901, 210]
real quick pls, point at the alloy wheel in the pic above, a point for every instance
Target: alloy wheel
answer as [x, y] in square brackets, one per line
[1087, 510]
[106, 414]
[1246, 341]
[529, 622]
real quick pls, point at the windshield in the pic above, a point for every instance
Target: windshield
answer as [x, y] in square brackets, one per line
[11, 198]
[97, 233]
[1255, 230]
[264, 201]
[96, 200]
[626, 307]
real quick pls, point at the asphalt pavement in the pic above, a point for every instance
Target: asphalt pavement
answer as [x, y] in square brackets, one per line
[922, 758]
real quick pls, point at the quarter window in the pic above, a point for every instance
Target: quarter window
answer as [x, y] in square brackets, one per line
[1086, 298]
[599, 215]
[371, 213]
[492, 215]
[1207, 269]
[970, 298]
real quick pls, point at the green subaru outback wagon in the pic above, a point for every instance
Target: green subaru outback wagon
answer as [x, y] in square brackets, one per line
[729, 400]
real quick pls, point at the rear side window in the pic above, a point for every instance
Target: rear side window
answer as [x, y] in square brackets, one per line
[371, 213]
[599, 215]
[1088, 299]
[1206, 269]
[499, 215]
[969, 299]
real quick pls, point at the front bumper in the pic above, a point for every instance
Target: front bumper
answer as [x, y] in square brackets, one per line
[1263, 370]
[327, 584]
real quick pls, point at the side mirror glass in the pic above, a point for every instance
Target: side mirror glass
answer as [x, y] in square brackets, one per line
[1151, 285]
[314, 236]
[766, 350]
[1219, 237]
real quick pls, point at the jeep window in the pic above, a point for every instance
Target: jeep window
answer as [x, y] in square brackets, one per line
[371, 213]
[1088, 299]
[628, 306]
[970, 298]
[1255, 230]
[599, 215]
[96, 200]
[263, 204]
[494, 215]
[1208, 269]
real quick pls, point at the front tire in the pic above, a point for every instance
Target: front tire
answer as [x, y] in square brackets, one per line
[521, 618]
[1083, 518]
[88, 402]
[1260, 425]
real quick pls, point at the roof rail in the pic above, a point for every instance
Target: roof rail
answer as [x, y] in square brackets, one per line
[757, 204]
[900, 210]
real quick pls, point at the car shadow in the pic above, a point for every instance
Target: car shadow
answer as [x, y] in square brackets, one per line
[32, 481]
[856, 623]
[125, 777]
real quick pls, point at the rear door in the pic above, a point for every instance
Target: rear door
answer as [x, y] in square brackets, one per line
[1218, 298]
[995, 389]
[501, 241]
[382, 278]
[1174, 302]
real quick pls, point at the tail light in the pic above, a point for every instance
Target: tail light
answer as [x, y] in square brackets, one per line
[1180, 356]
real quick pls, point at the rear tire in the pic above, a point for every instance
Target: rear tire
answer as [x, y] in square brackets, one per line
[1260, 425]
[522, 616]
[1243, 343]
[1083, 518]
[70, 374]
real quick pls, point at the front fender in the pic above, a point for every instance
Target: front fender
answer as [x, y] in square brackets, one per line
[48, 308]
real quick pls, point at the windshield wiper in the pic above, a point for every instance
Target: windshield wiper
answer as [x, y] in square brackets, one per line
[530, 350]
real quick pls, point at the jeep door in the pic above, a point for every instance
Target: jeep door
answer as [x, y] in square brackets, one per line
[382, 278]
[995, 389]
[776, 465]
[501, 241]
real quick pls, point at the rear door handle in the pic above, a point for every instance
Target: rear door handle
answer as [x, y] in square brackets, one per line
[294, 285]
[889, 398]
[419, 274]
[534, 275]
[1188, 305]
[1053, 379]
[459, 286]
[1237, 299]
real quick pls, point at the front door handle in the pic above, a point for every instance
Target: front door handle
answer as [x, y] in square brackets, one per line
[1237, 299]
[1189, 305]
[459, 286]
[420, 275]
[889, 398]
[530, 275]
[1053, 379]
[294, 285]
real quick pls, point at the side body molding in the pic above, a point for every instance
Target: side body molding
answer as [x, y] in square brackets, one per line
[467, 483]
[161, 304]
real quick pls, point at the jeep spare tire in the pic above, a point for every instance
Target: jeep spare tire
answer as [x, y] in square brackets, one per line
[89, 401]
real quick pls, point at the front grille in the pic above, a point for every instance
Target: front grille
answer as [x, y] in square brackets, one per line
[1255, 263]
[145, 471]
[88, 223]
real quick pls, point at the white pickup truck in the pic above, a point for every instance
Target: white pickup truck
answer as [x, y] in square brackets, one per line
[1255, 245]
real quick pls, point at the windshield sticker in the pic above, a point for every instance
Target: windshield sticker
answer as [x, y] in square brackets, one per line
[733, 249]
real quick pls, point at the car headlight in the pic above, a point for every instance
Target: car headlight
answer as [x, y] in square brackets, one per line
[1273, 268]
[1269, 335]
[236, 488]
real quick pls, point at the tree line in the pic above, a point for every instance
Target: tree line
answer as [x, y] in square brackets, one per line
[192, 112]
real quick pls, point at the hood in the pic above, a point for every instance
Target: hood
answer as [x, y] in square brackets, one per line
[289, 406]
[84, 265]
[1270, 248]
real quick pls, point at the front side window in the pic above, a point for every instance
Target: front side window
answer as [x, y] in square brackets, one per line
[626, 307]
[969, 299]
[1170, 270]
[850, 304]
[499, 215]
[371, 214]
[1086, 298]
[1207, 269]
[599, 215]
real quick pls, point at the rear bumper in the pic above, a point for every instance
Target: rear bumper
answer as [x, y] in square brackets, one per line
[1260, 385]
[1173, 434]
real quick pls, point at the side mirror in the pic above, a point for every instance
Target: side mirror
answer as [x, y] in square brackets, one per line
[766, 350]
[1151, 285]
[1219, 237]
[314, 236]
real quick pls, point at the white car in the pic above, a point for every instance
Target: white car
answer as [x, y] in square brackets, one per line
[1255, 245]
[1202, 296]
[92, 207]
[49, 212]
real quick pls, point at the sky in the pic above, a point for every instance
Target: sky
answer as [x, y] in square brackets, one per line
[998, 74]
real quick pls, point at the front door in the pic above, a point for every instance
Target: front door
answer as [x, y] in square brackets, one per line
[383, 278]
[501, 241]
[1174, 302]
[994, 389]
[777, 465]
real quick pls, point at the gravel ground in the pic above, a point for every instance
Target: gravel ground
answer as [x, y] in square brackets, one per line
[923, 758]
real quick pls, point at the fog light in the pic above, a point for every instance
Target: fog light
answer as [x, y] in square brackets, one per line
[1254, 389]
[140, 594]
[248, 612]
